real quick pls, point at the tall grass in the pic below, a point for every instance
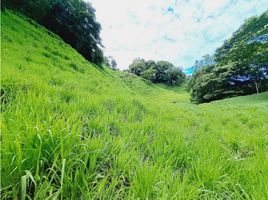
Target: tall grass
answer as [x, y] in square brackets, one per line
[70, 130]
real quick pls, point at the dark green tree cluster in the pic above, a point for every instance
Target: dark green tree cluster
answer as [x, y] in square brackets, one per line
[157, 72]
[73, 20]
[241, 65]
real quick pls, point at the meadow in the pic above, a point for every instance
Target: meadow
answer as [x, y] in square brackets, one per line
[73, 130]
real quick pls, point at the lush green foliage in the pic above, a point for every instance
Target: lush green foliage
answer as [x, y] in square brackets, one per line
[73, 20]
[72, 131]
[242, 65]
[157, 72]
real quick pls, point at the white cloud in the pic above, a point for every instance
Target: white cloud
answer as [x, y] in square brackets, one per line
[179, 31]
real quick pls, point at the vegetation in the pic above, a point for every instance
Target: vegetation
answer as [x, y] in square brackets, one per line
[73, 20]
[241, 68]
[72, 131]
[157, 72]
[110, 62]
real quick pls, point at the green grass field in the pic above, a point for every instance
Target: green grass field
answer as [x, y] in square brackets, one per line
[70, 130]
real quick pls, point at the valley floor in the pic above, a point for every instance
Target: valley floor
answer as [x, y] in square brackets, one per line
[71, 130]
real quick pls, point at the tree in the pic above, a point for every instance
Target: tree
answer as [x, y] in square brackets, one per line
[75, 22]
[110, 62]
[176, 76]
[149, 74]
[137, 66]
[162, 68]
[241, 65]
[113, 64]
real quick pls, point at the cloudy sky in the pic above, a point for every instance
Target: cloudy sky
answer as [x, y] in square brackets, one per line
[179, 31]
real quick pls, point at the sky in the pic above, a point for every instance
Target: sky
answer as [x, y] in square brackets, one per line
[178, 31]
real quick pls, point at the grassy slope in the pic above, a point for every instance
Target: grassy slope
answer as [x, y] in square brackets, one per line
[81, 132]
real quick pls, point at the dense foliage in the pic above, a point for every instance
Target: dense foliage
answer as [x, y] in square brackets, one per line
[157, 72]
[241, 65]
[73, 20]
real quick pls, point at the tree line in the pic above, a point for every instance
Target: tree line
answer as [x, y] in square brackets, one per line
[73, 20]
[157, 72]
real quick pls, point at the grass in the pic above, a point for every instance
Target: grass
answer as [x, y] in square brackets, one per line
[70, 130]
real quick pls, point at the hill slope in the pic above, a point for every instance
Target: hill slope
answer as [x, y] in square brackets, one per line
[74, 131]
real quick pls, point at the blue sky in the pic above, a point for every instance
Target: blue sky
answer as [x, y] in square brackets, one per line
[179, 31]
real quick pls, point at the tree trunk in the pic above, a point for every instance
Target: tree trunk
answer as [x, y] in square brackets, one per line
[257, 86]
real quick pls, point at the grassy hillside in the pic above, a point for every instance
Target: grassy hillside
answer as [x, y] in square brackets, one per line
[73, 131]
